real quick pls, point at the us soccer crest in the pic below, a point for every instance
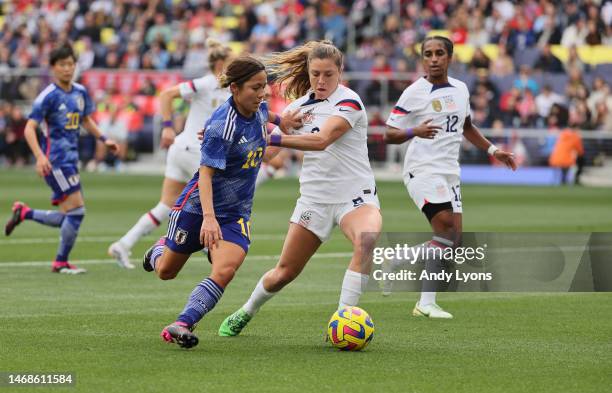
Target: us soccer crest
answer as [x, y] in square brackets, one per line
[305, 218]
[181, 236]
[308, 116]
[436, 105]
[449, 102]
[80, 103]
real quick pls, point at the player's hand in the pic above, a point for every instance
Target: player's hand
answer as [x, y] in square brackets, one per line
[43, 166]
[426, 130]
[210, 233]
[111, 145]
[201, 135]
[291, 120]
[505, 157]
[167, 137]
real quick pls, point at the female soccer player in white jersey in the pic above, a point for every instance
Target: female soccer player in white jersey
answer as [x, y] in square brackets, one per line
[337, 185]
[183, 158]
[434, 114]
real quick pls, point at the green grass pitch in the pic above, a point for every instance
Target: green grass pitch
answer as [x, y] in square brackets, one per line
[104, 326]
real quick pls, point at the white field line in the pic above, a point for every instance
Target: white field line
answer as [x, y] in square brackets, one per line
[318, 256]
[107, 239]
[111, 261]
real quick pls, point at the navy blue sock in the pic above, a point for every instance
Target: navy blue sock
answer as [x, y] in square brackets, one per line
[52, 218]
[69, 232]
[202, 300]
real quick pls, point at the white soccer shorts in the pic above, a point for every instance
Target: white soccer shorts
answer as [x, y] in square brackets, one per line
[182, 162]
[425, 188]
[321, 218]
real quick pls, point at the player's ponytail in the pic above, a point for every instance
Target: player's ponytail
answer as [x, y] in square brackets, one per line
[240, 70]
[216, 51]
[291, 67]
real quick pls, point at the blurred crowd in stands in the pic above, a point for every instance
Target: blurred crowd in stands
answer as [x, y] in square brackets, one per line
[524, 61]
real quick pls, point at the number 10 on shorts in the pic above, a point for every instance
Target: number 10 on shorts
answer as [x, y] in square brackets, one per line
[245, 227]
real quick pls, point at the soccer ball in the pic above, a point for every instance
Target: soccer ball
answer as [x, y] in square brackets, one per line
[350, 329]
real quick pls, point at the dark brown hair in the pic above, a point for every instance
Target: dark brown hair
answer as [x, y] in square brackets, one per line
[240, 70]
[448, 44]
[61, 52]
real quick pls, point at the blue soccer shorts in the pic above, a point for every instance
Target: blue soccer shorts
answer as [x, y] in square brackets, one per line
[183, 234]
[63, 180]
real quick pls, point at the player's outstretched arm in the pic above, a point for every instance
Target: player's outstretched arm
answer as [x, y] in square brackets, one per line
[165, 103]
[286, 122]
[43, 166]
[90, 125]
[395, 136]
[210, 232]
[331, 130]
[472, 134]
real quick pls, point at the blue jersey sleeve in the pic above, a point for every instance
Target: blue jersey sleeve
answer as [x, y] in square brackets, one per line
[89, 104]
[215, 147]
[40, 108]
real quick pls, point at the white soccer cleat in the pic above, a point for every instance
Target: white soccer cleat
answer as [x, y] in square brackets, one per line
[121, 254]
[430, 311]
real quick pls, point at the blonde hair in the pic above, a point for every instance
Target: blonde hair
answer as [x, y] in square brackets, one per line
[291, 67]
[216, 51]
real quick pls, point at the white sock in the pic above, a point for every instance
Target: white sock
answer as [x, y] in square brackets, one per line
[149, 221]
[352, 288]
[257, 299]
[427, 298]
[264, 175]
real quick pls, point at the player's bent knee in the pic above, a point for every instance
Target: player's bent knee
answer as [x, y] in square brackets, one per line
[223, 276]
[166, 274]
[165, 271]
[282, 276]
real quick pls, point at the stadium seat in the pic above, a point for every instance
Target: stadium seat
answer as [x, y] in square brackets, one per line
[604, 71]
[556, 81]
[526, 57]
[225, 22]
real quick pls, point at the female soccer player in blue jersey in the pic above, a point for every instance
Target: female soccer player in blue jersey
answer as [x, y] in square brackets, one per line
[205, 95]
[64, 106]
[433, 114]
[214, 209]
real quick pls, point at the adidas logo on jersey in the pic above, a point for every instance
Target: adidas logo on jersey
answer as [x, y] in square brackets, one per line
[242, 140]
[62, 107]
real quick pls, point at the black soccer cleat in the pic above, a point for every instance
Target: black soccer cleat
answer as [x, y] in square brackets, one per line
[146, 259]
[180, 333]
[17, 217]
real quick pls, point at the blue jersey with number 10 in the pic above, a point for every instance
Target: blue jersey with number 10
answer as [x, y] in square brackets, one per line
[63, 112]
[234, 145]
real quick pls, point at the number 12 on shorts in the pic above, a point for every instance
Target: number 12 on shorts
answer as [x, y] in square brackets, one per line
[457, 192]
[245, 227]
